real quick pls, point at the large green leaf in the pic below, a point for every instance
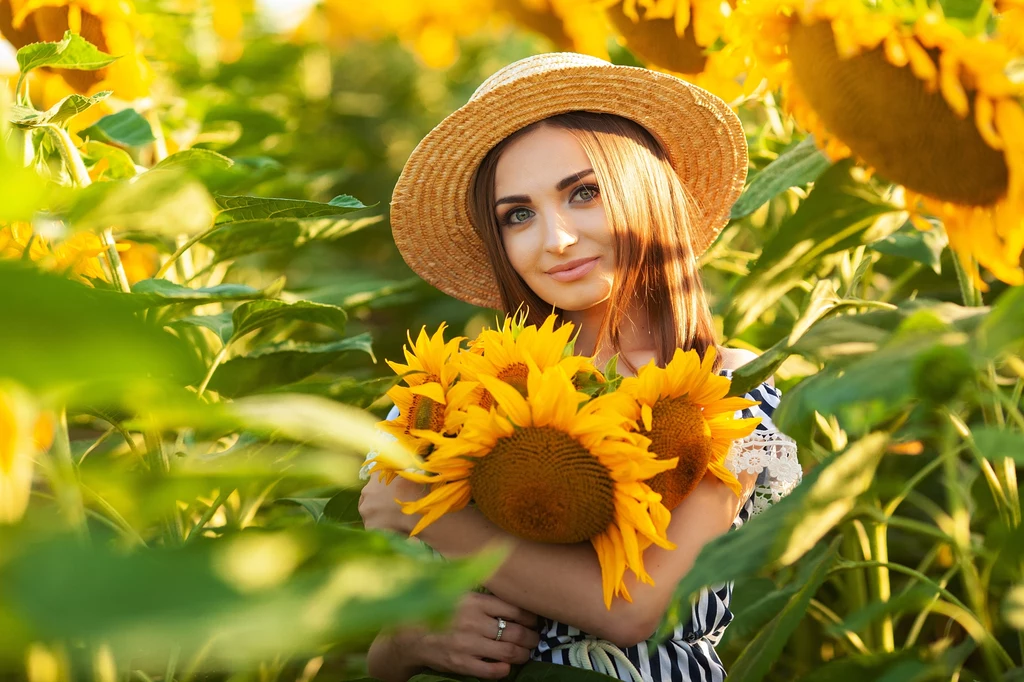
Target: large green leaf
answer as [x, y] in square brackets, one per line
[909, 242]
[235, 599]
[800, 165]
[58, 114]
[836, 215]
[243, 237]
[218, 172]
[71, 52]
[260, 208]
[59, 334]
[126, 127]
[154, 202]
[758, 656]
[785, 531]
[220, 324]
[1003, 328]
[119, 164]
[254, 315]
[279, 364]
[995, 443]
[150, 293]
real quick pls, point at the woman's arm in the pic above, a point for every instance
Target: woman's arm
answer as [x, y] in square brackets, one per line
[563, 582]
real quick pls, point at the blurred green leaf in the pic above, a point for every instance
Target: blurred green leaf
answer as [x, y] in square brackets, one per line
[62, 335]
[119, 162]
[759, 655]
[154, 202]
[234, 208]
[917, 245]
[835, 216]
[900, 666]
[71, 52]
[1003, 327]
[348, 390]
[800, 165]
[126, 127]
[22, 191]
[913, 599]
[235, 599]
[253, 315]
[313, 505]
[58, 114]
[995, 443]
[282, 363]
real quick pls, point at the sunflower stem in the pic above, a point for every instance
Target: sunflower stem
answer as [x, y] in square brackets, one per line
[213, 368]
[968, 291]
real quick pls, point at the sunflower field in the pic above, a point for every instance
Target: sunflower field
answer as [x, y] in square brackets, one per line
[198, 288]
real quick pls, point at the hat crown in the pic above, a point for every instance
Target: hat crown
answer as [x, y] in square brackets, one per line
[531, 66]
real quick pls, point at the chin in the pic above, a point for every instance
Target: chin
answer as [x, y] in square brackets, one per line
[577, 301]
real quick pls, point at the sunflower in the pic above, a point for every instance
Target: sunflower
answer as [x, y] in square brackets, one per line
[916, 99]
[569, 24]
[679, 37]
[684, 411]
[506, 354]
[110, 25]
[427, 402]
[77, 256]
[547, 469]
[24, 432]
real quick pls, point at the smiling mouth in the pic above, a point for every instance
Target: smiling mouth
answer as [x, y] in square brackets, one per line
[573, 270]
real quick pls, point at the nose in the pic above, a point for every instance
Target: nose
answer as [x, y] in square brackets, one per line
[558, 234]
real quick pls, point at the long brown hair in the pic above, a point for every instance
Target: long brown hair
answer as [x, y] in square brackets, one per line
[649, 211]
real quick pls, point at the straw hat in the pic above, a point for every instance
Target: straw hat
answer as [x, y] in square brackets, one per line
[429, 208]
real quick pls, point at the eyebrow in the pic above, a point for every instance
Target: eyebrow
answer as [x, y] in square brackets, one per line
[562, 184]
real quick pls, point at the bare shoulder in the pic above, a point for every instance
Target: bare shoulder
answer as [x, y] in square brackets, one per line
[734, 358]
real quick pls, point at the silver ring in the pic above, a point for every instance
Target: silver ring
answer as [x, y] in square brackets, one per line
[501, 629]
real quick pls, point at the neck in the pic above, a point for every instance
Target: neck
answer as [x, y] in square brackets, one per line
[636, 341]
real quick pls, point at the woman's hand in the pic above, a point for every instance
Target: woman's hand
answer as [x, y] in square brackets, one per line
[379, 509]
[468, 646]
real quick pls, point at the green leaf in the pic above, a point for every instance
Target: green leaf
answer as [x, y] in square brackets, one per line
[995, 443]
[280, 364]
[344, 508]
[212, 169]
[235, 208]
[62, 335]
[917, 245]
[227, 602]
[900, 666]
[800, 165]
[914, 600]
[58, 114]
[126, 127]
[243, 237]
[155, 202]
[836, 216]
[71, 52]
[785, 531]
[150, 293]
[758, 656]
[1003, 327]
[313, 505]
[254, 315]
[119, 163]
[321, 422]
[1013, 607]
[22, 191]
[220, 324]
[348, 390]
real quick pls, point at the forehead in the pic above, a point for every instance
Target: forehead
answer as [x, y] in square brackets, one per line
[537, 160]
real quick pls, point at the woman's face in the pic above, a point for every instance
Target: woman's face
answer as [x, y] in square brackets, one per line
[552, 220]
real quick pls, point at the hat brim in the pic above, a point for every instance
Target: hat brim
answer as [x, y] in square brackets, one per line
[429, 209]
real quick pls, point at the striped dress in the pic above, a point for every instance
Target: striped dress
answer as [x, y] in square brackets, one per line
[689, 655]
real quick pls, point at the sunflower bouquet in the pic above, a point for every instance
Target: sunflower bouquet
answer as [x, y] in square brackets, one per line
[550, 449]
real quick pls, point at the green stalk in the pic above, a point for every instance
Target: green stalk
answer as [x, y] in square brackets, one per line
[883, 589]
[76, 168]
[159, 462]
[213, 368]
[197, 529]
[856, 594]
[968, 292]
[65, 478]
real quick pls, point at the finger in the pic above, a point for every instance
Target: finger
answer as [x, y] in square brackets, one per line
[498, 608]
[506, 652]
[485, 670]
[522, 636]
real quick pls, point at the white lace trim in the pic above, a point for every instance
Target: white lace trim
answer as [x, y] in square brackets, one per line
[771, 455]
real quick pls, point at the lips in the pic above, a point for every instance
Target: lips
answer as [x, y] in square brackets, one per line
[573, 270]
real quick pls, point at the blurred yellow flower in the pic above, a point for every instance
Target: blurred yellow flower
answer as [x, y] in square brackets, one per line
[914, 98]
[25, 431]
[77, 257]
[110, 25]
[140, 261]
[571, 25]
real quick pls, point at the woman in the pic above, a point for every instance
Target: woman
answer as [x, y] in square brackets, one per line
[572, 184]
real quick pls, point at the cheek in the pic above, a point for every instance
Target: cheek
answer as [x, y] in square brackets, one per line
[519, 249]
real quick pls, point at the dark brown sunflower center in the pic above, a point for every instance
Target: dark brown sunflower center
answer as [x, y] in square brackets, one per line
[542, 485]
[678, 429]
[513, 375]
[887, 117]
[655, 41]
[426, 413]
